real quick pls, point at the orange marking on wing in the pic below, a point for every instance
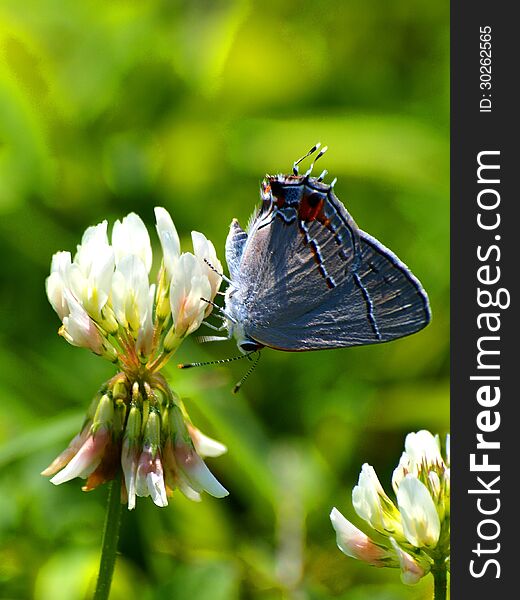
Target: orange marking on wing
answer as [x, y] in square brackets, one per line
[310, 207]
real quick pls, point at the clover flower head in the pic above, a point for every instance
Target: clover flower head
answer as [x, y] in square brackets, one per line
[106, 302]
[414, 530]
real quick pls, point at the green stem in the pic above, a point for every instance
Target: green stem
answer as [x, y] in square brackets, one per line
[440, 580]
[110, 539]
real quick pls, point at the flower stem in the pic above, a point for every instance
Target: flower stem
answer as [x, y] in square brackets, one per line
[440, 580]
[110, 539]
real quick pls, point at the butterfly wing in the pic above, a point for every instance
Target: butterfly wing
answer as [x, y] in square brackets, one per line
[285, 300]
[235, 244]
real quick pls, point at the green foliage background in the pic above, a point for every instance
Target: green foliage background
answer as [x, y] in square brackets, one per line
[109, 107]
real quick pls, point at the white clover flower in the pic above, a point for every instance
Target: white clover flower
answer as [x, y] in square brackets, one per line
[411, 571]
[130, 294]
[204, 445]
[130, 238]
[353, 542]
[107, 304]
[147, 471]
[421, 522]
[190, 290]
[205, 252]
[373, 505]
[417, 530]
[56, 283]
[422, 450]
[79, 329]
[169, 238]
[90, 275]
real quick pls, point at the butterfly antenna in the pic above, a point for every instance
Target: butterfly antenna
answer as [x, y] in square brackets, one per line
[212, 362]
[219, 309]
[319, 155]
[297, 162]
[226, 279]
[237, 387]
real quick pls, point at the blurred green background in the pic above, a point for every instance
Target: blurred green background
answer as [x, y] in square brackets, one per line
[109, 107]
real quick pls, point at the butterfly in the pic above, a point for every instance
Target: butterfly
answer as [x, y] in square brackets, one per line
[303, 276]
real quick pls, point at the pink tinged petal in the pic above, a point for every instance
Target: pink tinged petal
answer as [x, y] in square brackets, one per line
[353, 542]
[143, 468]
[204, 445]
[169, 239]
[198, 475]
[130, 237]
[150, 478]
[87, 459]
[411, 571]
[129, 458]
[64, 458]
[79, 329]
[174, 477]
[420, 520]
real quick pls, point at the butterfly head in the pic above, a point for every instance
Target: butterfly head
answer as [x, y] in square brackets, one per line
[298, 194]
[245, 344]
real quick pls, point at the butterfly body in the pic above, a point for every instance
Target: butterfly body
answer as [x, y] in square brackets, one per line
[305, 277]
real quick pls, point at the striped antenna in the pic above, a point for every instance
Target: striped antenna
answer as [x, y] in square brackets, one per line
[320, 154]
[297, 162]
[219, 309]
[226, 279]
[212, 362]
[238, 385]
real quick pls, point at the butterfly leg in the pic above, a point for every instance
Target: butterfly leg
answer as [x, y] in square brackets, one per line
[211, 326]
[202, 339]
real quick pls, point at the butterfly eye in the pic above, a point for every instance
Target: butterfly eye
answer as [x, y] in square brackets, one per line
[249, 345]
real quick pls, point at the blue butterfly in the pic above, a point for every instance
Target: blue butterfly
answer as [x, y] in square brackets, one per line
[303, 276]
